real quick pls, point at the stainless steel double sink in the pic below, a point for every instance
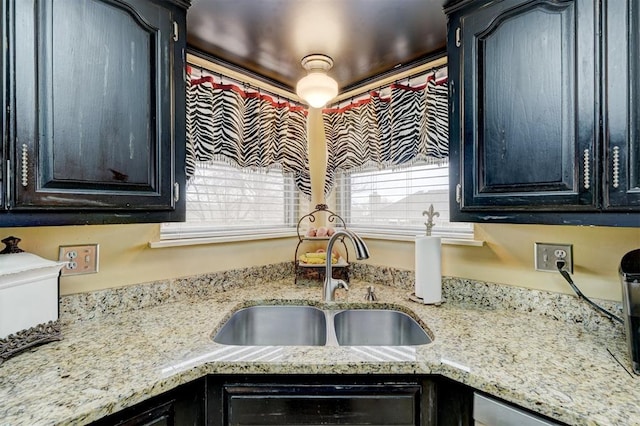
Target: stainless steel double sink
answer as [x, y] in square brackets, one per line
[285, 325]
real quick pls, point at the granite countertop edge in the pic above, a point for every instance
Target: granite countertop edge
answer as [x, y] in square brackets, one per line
[109, 363]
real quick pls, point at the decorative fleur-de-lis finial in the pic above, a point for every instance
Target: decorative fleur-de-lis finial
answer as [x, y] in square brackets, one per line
[431, 213]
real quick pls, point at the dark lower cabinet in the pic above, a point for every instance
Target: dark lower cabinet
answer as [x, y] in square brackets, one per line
[454, 405]
[304, 400]
[297, 404]
[182, 406]
[327, 400]
[161, 415]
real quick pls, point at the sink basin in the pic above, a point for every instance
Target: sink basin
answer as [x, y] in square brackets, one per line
[377, 327]
[275, 325]
[284, 325]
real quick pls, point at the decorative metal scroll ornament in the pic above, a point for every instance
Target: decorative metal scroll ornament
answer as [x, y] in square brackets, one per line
[21, 340]
[431, 213]
[332, 218]
[15, 343]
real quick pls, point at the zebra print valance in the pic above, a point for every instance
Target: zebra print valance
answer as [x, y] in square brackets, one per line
[406, 124]
[388, 128]
[246, 129]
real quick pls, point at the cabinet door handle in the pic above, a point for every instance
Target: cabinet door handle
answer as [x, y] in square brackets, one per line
[587, 169]
[458, 37]
[458, 193]
[616, 166]
[175, 31]
[25, 165]
[176, 192]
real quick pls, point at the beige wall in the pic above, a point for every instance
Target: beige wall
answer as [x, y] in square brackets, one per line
[507, 256]
[125, 257]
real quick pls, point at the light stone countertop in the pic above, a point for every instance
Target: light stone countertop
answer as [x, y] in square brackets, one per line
[111, 362]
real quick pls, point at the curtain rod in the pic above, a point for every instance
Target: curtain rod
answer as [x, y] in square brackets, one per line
[241, 79]
[399, 69]
[426, 68]
[226, 80]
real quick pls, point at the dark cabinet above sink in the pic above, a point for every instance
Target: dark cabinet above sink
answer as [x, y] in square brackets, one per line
[541, 112]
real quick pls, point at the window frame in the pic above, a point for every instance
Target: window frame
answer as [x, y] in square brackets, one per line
[212, 233]
[343, 196]
[180, 238]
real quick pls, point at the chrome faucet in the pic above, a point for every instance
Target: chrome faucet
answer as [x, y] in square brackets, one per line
[331, 284]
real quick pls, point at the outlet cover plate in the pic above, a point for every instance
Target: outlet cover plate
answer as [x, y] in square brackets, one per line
[546, 255]
[81, 259]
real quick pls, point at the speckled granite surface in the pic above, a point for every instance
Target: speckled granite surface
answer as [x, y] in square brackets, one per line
[538, 359]
[96, 304]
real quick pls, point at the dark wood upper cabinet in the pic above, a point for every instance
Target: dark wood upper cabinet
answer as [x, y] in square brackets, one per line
[622, 106]
[96, 111]
[3, 116]
[526, 133]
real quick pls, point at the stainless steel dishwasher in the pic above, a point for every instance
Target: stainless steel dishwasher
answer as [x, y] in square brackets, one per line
[491, 412]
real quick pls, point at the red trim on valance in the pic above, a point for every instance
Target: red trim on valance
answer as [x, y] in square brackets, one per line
[376, 94]
[352, 105]
[220, 86]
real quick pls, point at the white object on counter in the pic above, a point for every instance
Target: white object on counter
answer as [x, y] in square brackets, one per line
[489, 412]
[428, 269]
[28, 292]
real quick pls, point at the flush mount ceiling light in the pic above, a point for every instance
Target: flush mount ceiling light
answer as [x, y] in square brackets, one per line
[317, 88]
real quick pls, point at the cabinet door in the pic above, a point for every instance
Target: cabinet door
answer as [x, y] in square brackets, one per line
[92, 105]
[157, 416]
[622, 108]
[527, 116]
[3, 117]
[280, 405]
[184, 405]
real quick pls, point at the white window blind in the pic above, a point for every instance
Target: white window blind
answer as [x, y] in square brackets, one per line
[391, 201]
[225, 200]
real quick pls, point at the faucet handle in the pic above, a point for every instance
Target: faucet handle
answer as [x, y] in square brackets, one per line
[330, 288]
[343, 284]
[370, 296]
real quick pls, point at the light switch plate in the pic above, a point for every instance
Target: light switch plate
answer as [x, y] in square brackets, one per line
[80, 259]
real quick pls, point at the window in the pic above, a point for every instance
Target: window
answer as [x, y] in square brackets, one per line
[224, 200]
[391, 201]
[251, 202]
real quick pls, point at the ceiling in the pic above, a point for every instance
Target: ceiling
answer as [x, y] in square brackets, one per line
[365, 38]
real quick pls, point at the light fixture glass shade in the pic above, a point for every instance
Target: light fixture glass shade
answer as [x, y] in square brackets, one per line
[317, 88]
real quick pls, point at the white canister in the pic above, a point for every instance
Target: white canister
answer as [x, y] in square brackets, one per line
[29, 292]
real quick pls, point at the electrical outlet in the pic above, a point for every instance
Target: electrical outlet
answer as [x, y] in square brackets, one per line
[546, 255]
[80, 259]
